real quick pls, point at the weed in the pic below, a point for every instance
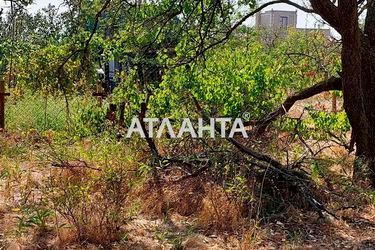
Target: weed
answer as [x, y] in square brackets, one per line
[33, 217]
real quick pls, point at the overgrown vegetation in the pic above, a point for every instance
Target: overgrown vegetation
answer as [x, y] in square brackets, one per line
[70, 177]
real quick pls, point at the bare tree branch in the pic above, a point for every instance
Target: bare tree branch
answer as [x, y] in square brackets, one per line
[97, 17]
[291, 3]
[87, 42]
[328, 85]
[239, 23]
[328, 11]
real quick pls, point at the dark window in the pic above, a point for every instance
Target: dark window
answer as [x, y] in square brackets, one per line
[284, 21]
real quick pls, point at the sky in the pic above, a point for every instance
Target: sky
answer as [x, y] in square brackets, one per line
[37, 5]
[303, 20]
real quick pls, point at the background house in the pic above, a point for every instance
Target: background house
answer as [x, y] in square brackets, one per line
[276, 19]
[276, 22]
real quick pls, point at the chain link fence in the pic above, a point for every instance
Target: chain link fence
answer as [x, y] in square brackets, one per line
[33, 111]
[27, 111]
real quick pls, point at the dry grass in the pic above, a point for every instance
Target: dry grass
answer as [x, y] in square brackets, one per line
[160, 198]
[252, 237]
[214, 209]
[85, 201]
[192, 213]
[219, 212]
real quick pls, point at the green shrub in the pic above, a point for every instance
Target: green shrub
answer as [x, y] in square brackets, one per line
[89, 118]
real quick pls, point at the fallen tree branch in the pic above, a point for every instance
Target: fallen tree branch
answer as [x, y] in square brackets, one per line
[332, 83]
[193, 174]
[241, 147]
[292, 178]
[296, 179]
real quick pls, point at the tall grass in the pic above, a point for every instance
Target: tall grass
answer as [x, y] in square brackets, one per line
[42, 113]
[35, 111]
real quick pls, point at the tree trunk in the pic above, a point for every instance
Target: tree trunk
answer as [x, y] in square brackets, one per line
[364, 120]
[358, 62]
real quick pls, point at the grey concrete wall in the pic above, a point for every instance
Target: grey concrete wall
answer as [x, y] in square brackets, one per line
[272, 18]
